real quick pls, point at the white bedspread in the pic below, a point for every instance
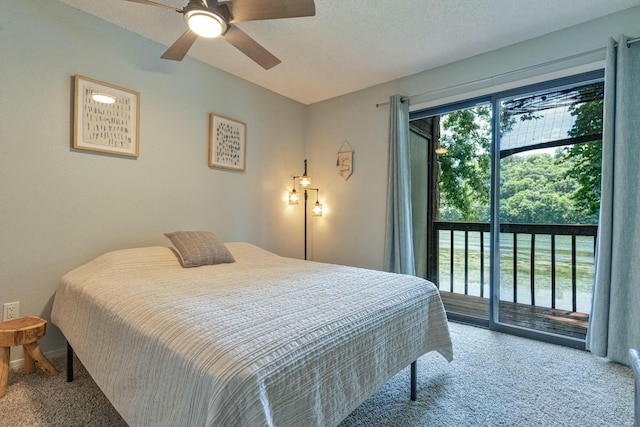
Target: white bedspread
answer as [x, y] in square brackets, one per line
[265, 341]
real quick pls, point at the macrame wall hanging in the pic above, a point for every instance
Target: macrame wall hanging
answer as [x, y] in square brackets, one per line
[345, 160]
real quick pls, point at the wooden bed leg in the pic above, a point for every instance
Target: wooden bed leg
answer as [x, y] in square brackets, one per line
[414, 380]
[69, 363]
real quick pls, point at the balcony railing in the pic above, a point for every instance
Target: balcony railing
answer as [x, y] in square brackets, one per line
[521, 240]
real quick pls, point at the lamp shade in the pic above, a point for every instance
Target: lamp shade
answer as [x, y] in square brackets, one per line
[294, 199]
[305, 181]
[317, 209]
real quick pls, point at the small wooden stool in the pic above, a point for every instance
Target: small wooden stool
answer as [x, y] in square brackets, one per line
[24, 331]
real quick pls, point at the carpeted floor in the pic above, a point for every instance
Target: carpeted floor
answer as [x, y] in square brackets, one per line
[495, 380]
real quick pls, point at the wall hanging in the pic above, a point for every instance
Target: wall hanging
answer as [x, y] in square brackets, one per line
[106, 117]
[227, 141]
[345, 160]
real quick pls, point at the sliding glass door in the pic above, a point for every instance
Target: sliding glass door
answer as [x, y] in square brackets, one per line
[451, 212]
[547, 169]
[505, 203]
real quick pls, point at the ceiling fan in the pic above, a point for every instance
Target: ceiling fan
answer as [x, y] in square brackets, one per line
[212, 18]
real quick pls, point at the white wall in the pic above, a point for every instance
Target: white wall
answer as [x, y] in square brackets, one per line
[353, 230]
[61, 207]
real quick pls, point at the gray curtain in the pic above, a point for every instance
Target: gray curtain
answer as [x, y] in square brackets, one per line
[615, 311]
[399, 257]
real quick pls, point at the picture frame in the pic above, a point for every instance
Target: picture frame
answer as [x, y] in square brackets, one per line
[227, 143]
[110, 124]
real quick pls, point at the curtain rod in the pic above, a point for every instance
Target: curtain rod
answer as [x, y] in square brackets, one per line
[508, 73]
[630, 42]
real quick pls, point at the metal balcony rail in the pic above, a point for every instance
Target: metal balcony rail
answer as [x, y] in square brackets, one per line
[532, 230]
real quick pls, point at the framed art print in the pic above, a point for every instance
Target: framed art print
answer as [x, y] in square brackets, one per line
[227, 142]
[106, 117]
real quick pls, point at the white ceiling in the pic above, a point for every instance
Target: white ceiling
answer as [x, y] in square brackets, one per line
[354, 44]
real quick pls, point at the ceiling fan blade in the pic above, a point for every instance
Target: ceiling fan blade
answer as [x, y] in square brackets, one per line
[256, 10]
[245, 44]
[179, 49]
[152, 3]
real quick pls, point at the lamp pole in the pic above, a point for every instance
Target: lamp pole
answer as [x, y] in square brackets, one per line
[306, 196]
[294, 199]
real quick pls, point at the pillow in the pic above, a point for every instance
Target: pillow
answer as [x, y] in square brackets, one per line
[197, 248]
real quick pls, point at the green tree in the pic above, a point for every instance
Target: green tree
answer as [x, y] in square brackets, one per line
[586, 158]
[561, 189]
[536, 189]
[464, 178]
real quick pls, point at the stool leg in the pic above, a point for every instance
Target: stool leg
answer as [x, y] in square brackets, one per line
[4, 370]
[29, 364]
[43, 363]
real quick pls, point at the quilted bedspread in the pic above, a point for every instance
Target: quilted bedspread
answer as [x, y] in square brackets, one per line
[264, 341]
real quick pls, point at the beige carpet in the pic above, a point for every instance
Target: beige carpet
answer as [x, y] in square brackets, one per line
[495, 380]
[37, 400]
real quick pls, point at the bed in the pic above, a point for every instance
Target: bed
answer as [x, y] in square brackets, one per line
[262, 341]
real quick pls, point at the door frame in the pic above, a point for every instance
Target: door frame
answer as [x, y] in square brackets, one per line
[494, 253]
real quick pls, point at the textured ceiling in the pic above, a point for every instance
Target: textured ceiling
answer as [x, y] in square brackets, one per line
[354, 44]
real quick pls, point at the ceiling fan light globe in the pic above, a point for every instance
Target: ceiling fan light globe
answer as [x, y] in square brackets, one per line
[205, 24]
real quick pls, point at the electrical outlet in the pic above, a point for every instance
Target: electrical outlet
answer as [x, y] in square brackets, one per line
[11, 310]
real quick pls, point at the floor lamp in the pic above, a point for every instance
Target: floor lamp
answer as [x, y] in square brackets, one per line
[304, 181]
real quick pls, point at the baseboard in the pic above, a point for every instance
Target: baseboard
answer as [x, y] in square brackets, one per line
[19, 363]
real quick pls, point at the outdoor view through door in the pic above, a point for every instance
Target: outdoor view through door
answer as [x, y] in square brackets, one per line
[530, 160]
